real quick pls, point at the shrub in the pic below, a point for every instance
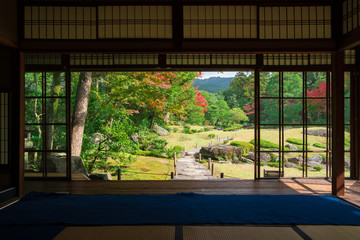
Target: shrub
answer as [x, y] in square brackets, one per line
[244, 160]
[142, 153]
[268, 144]
[319, 145]
[248, 147]
[203, 161]
[231, 128]
[206, 129]
[175, 130]
[193, 131]
[323, 155]
[211, 135]
[178, 148]
[187, 129]
[295, 141]
[221, 159]
[262, 163]
[226, 141]
[300, 168]
[273, 164]
[318, 168]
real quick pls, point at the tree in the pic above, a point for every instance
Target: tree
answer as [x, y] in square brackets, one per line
[52, 109]
[80, 112]
[236, 115]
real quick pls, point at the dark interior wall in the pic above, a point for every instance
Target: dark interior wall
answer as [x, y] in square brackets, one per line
[8, 20]
[10, 82]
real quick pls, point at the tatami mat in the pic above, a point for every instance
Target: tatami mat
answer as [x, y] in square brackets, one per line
[239, 233]
[118, 232]
[331, 232]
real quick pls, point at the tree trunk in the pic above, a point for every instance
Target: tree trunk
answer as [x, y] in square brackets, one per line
[80, 112]
[51, 110]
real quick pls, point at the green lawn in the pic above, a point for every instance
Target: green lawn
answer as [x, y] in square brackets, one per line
[148, 168]
[246, 171]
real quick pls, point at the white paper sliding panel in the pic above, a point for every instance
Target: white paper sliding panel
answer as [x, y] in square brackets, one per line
[4, 128]
[57, 22]
[211, 59]
[135, 22]
[220, 22]
[320, 59]
[308, 22]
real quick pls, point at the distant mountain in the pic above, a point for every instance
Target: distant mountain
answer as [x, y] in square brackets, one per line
[212, 84]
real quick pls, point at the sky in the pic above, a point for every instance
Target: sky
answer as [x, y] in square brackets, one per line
[217, 74]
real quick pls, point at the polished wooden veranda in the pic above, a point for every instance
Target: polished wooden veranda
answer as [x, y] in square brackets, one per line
[281, 187]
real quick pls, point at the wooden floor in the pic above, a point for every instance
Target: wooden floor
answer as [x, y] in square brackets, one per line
[282, 186]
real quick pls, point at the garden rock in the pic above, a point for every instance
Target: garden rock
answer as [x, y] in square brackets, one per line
[248, 126]
[135, 137]
[316, 158]
[235, 160]
[347, 162]
[97, 138]
[317, 132]
[100, 176]
[297, 160]
[265, 157]
[220, 128]
[57, 164]
[292, 147]
[290, 165]
[313, 164]
[29, 144]
[221, 151]
[160, 131]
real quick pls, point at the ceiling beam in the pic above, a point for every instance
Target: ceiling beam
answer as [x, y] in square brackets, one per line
[187, 46]
[350, 40]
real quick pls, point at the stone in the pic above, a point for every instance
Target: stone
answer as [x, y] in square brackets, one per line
[313, 164]
[318, 132]
[292, 147]
[219, 128]
[316, 158]
[135, 137]
[248, 126]
[100, 176]
[227, 152]
[29, 144]
[235, 160]
[160, 131]
[290, 165]
[347, 162]
[97, 138]
[56, 163]
[297, 160]
[265, 157]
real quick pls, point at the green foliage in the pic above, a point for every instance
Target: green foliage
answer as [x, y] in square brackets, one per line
[247, 147]
[319, 145]
[318, 168]
[175, 130]
[244, 160]
[300, 168]
[187, 129]
[206, 129]
[296, 141]
[262, 163]
[143, 153]
[203, 161]
[273, 164]
[211, 135]
[323, 155]
[268, 144]
[195, 115]
[226, 141]
[178, 148]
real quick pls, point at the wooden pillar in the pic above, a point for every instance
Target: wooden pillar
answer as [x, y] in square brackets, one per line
[355, 118]
[337, 94]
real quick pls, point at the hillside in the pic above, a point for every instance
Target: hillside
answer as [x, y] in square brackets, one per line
[212, 84]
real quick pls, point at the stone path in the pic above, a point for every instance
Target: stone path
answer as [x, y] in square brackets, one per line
[188, 169]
